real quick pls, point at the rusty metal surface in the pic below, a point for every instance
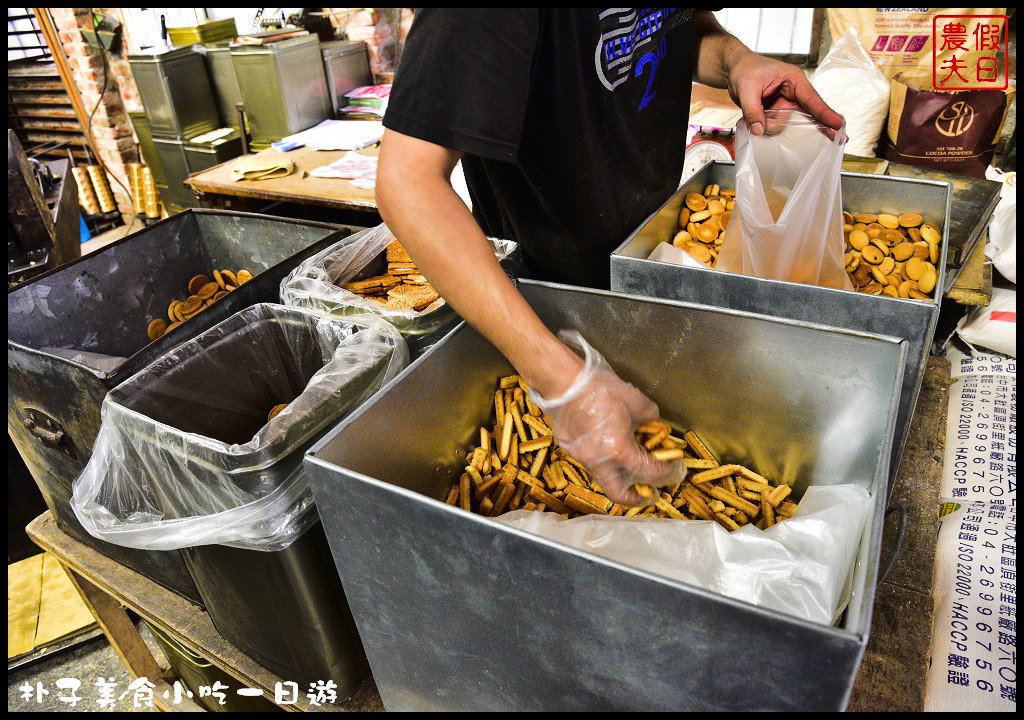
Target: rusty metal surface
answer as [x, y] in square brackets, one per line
[973, 202]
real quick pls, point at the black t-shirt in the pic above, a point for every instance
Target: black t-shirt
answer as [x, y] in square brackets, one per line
[573, 121]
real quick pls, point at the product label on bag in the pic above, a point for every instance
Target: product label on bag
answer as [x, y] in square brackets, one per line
[981, 430]
[949, 131]
[974, 641]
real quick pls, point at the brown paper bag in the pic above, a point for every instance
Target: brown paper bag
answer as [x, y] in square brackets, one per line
[949, 131]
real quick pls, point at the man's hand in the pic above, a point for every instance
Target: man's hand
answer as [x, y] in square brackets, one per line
[594, 413]
[594, 420]
[756, 83]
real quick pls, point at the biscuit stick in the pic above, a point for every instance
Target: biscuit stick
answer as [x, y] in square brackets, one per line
[506, 437]
[464, 492]
[518, 464]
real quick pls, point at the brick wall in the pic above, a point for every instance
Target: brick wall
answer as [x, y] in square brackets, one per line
[111, 126]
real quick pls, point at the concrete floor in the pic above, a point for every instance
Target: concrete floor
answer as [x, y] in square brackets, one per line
[87, 662]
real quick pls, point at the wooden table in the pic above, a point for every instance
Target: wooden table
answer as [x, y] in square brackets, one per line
[892, 676]
[108, 588]
[216, 186]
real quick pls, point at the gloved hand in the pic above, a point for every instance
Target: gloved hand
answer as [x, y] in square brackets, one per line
[594, 420]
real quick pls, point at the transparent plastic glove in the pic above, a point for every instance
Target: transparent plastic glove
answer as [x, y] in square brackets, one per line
[594, 420]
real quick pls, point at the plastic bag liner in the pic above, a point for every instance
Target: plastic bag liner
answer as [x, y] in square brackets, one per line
[787, 223]
[316, 283]
[800, 566]
[185, 455]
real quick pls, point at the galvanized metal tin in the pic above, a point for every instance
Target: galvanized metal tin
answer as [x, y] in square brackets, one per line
[226, 90]
[347, 66]
[458, 612]
[175, 91]
[633, 273]
[283, 85]
[181, 158]
[285, 608]
[101, 305]
[205, 32]
[195, 671]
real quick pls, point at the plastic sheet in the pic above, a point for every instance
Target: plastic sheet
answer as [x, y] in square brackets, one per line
[185, 455]
[855, 88]
[800, 566]
[316, 283]
[787, 223]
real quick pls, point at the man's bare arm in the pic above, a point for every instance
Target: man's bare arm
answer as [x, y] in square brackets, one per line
[416, 200]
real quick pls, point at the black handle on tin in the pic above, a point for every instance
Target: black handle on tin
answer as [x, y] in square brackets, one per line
[897, 543]
[240, 112]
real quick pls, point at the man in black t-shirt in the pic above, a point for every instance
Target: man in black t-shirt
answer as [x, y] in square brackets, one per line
[571, 127]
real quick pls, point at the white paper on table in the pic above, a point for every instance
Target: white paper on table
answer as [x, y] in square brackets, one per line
[350, 166]
[366, 182]
[339, 135]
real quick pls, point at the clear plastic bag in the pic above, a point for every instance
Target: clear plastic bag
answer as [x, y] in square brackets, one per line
[787, 223]
[316, 283]
[185, 455]
[854, 87]
[800, 566]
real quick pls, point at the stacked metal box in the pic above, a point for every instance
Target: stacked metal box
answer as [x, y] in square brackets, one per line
[347, 65]
[180, 106]
[283, 85]
[226, 89]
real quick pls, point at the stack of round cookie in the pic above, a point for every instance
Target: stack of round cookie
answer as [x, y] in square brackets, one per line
[202, 292]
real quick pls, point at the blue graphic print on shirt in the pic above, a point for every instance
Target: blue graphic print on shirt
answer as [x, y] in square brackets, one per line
[639, 34]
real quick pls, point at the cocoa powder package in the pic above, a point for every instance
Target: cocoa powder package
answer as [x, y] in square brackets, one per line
[948, 131]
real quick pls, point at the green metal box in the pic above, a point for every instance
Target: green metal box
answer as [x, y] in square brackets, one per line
[175, 91]
[283, 86]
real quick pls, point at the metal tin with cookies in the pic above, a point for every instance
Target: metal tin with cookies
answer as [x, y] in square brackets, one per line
[907, 316]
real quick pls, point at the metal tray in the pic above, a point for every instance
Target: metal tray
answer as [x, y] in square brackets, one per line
[634, 274]
[458, 612]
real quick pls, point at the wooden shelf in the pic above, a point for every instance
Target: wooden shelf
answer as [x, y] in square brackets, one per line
[108, 588]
